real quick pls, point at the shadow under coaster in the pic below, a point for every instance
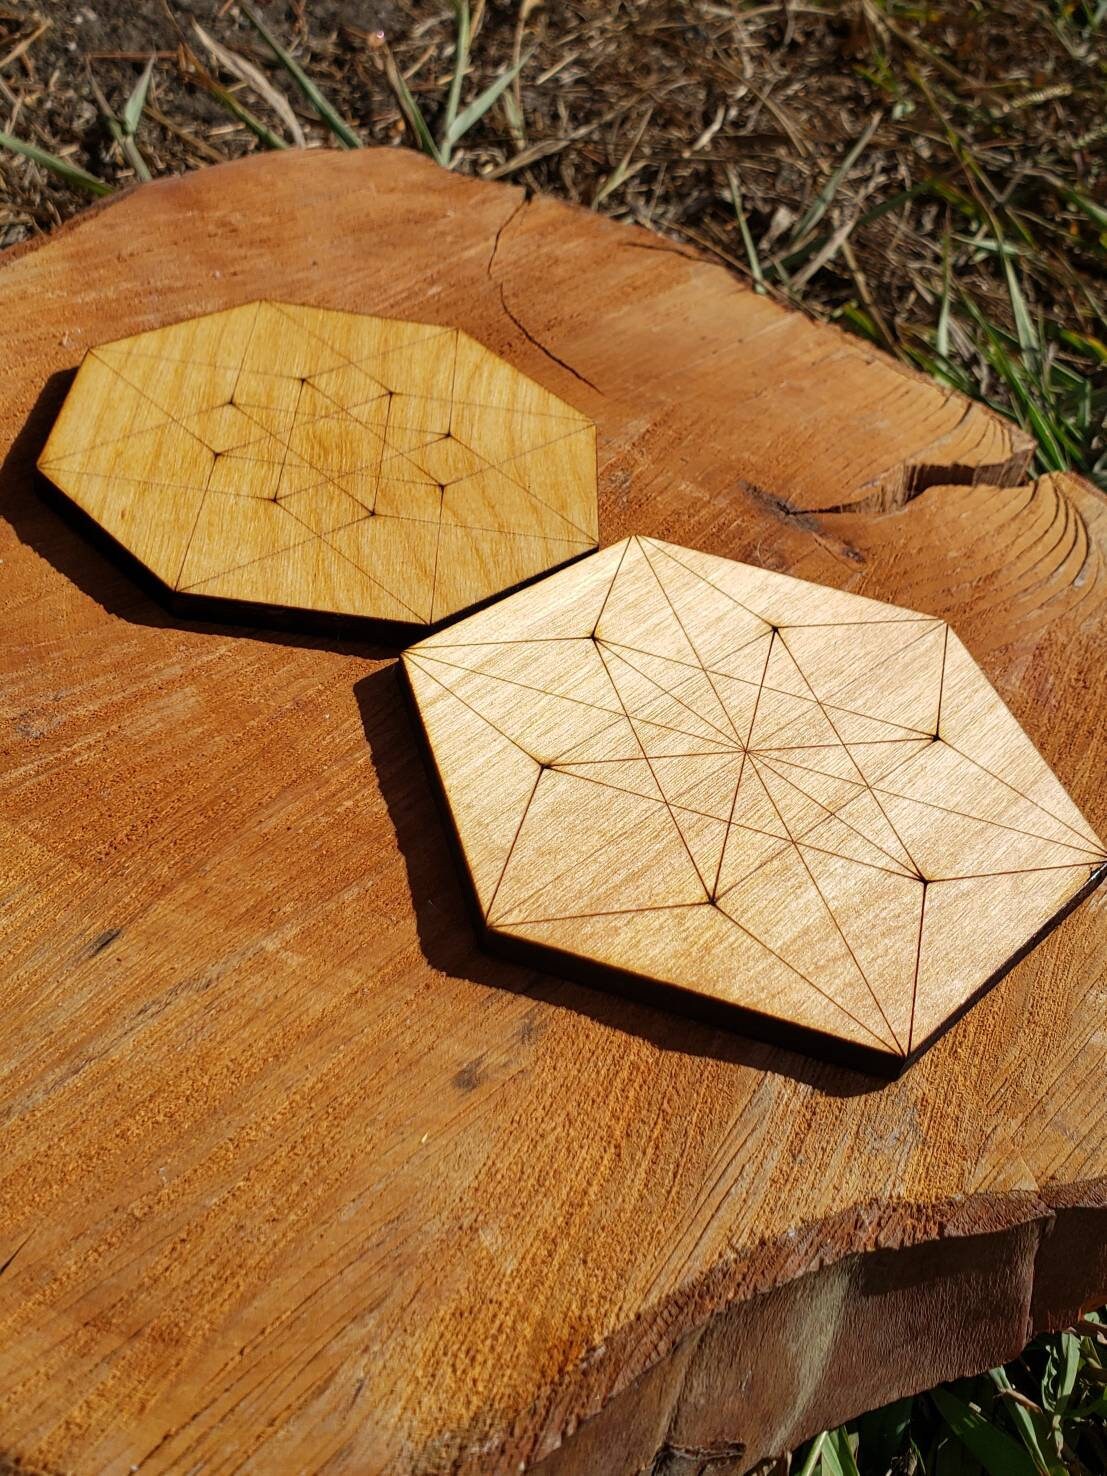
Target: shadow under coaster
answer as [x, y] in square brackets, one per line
[790, 809]
[303, 466]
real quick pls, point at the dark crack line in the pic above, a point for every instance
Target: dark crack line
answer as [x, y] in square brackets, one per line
[519, 324]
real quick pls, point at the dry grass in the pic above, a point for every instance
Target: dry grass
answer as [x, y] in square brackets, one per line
[932, 175]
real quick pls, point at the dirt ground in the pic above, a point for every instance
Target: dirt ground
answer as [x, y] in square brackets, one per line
[982, 125]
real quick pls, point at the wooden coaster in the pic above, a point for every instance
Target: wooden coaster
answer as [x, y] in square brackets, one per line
[770, 802]
[325, 463]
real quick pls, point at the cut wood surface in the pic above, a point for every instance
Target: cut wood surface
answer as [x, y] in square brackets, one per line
[776, 805]
[279, 457]
[292, 1176]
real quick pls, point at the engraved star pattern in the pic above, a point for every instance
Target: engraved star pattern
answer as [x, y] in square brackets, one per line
[798, 802]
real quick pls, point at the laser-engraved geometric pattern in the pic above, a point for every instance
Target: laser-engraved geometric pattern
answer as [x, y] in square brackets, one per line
[780, 799]
[325, 461]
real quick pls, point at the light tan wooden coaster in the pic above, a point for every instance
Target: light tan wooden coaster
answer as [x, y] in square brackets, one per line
[765, 800]
[298, 459]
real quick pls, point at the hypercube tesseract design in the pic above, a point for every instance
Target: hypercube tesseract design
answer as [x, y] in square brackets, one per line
[325, 462]
[767, 799]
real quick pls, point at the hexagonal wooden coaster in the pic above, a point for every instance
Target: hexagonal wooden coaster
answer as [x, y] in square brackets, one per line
[296, 459]
[798, 810]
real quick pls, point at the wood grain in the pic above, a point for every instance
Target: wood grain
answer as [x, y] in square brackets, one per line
[292, 1176]
[765, 801]
[291, 459]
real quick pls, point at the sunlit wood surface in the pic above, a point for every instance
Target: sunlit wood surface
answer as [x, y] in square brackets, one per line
[293, 1176]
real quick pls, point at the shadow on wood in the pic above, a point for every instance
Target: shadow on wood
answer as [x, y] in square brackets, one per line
[83, 553]
[425, 838]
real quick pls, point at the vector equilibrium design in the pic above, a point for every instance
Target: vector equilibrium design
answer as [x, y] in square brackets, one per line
[769, 796]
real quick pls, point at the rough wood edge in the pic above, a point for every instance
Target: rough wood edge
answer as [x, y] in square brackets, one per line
[742, 1445]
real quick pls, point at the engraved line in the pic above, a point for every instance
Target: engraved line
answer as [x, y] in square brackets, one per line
[730, 738]
[941, 684]
[800, 837]
[856, 676]
[349, 363]
[704, 579]
[826, 905]
[442, 498]
[827, 624]
[570, 772]
[836, 815]
[800, 975]
[565, 756]
[203, 499]
[170, 416]
[918, 961]
[1017, 871]
[879, 661]
[742, 768]
[511, 847]
[688, 638]
[610, 587]
[980, 820]
[416, 657]
[517, 481]
[492, 676]
[606, 843]
[646, 756]
[1048, 813]
[516, 922]
[852, 760]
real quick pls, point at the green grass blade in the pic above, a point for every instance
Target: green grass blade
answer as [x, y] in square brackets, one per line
[461, 66]
[838, 1455]
[1050, 449]
[480, 104]
[743, 226]
[860, 321]
[132, 112]
[824, 198]
[813, 1455]
[410, 108]
[996, 1452]
[1095, 213]
[255, 78]
[882, 1435]
[72, 174]
[1095, 348]
[624, 170]
[133, 154]
[941, 337]
[1024, 327]
[127, 145]
[1062, 1368]
[237, 110]
[338, 126]
[1022, 1419]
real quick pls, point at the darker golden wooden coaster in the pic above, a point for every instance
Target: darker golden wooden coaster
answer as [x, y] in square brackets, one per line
[305, 461]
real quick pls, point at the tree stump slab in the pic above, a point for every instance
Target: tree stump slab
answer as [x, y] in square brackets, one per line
[293, 1177]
